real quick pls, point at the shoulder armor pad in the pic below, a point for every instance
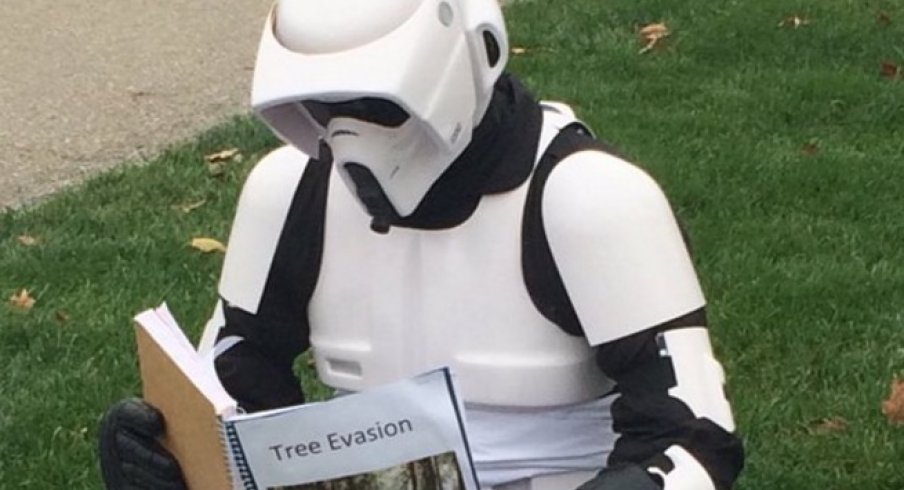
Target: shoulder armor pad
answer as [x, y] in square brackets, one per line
[262, 210]
[618, 248]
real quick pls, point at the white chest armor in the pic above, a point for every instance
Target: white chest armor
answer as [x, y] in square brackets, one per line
[395, 305]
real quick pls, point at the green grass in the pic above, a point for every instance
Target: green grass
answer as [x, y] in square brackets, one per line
[799, 252]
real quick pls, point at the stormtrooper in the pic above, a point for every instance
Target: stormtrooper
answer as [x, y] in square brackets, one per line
[427, 211]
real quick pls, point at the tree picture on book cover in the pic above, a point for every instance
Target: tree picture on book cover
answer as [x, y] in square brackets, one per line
[440, 472]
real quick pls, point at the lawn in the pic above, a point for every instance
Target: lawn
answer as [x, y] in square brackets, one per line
[776, 128]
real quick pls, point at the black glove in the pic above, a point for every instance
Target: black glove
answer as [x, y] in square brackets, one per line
[622, 477]
[130, 456]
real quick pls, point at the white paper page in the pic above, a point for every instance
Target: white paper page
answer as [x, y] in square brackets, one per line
[163, 328]
[361, 433]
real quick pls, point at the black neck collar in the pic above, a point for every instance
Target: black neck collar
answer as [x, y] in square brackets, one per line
[499, 158]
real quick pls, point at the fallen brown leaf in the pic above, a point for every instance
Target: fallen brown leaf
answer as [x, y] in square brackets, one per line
[893, 407]
[794, 22]
[652, 34]
[655, 30]
[222, 156]
[830, 425]
[208, 245]
[137, 93]
[809, 149]
[22, 300]
[216, 162]
[191, 206]
[28, 240]
[891, 70]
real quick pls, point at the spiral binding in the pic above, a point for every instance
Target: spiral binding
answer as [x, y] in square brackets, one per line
[238, 456]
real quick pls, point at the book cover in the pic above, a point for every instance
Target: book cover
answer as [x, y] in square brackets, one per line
[193, 427]
[409, 432]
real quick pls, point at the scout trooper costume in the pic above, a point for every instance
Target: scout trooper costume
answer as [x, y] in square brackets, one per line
[427, 212]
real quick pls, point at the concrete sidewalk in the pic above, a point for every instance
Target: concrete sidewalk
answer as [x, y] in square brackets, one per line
[87, 84]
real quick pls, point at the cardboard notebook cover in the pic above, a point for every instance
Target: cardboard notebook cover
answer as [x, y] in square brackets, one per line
[193, 429]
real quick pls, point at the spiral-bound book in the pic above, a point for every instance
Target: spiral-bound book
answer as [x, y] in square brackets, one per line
[407, 434]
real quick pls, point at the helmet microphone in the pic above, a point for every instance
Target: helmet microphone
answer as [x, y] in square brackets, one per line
[371, 194]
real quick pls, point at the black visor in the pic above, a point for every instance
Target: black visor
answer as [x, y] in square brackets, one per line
[368, 109]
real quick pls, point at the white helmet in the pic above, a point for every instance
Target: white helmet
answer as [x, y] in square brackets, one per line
[393, 87]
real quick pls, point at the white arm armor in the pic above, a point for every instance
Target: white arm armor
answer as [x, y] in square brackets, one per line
[688, 473]
[211, 329]
[617, 246]
[261, 213]
[626, 268]
[699, 382]
[699, 378]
